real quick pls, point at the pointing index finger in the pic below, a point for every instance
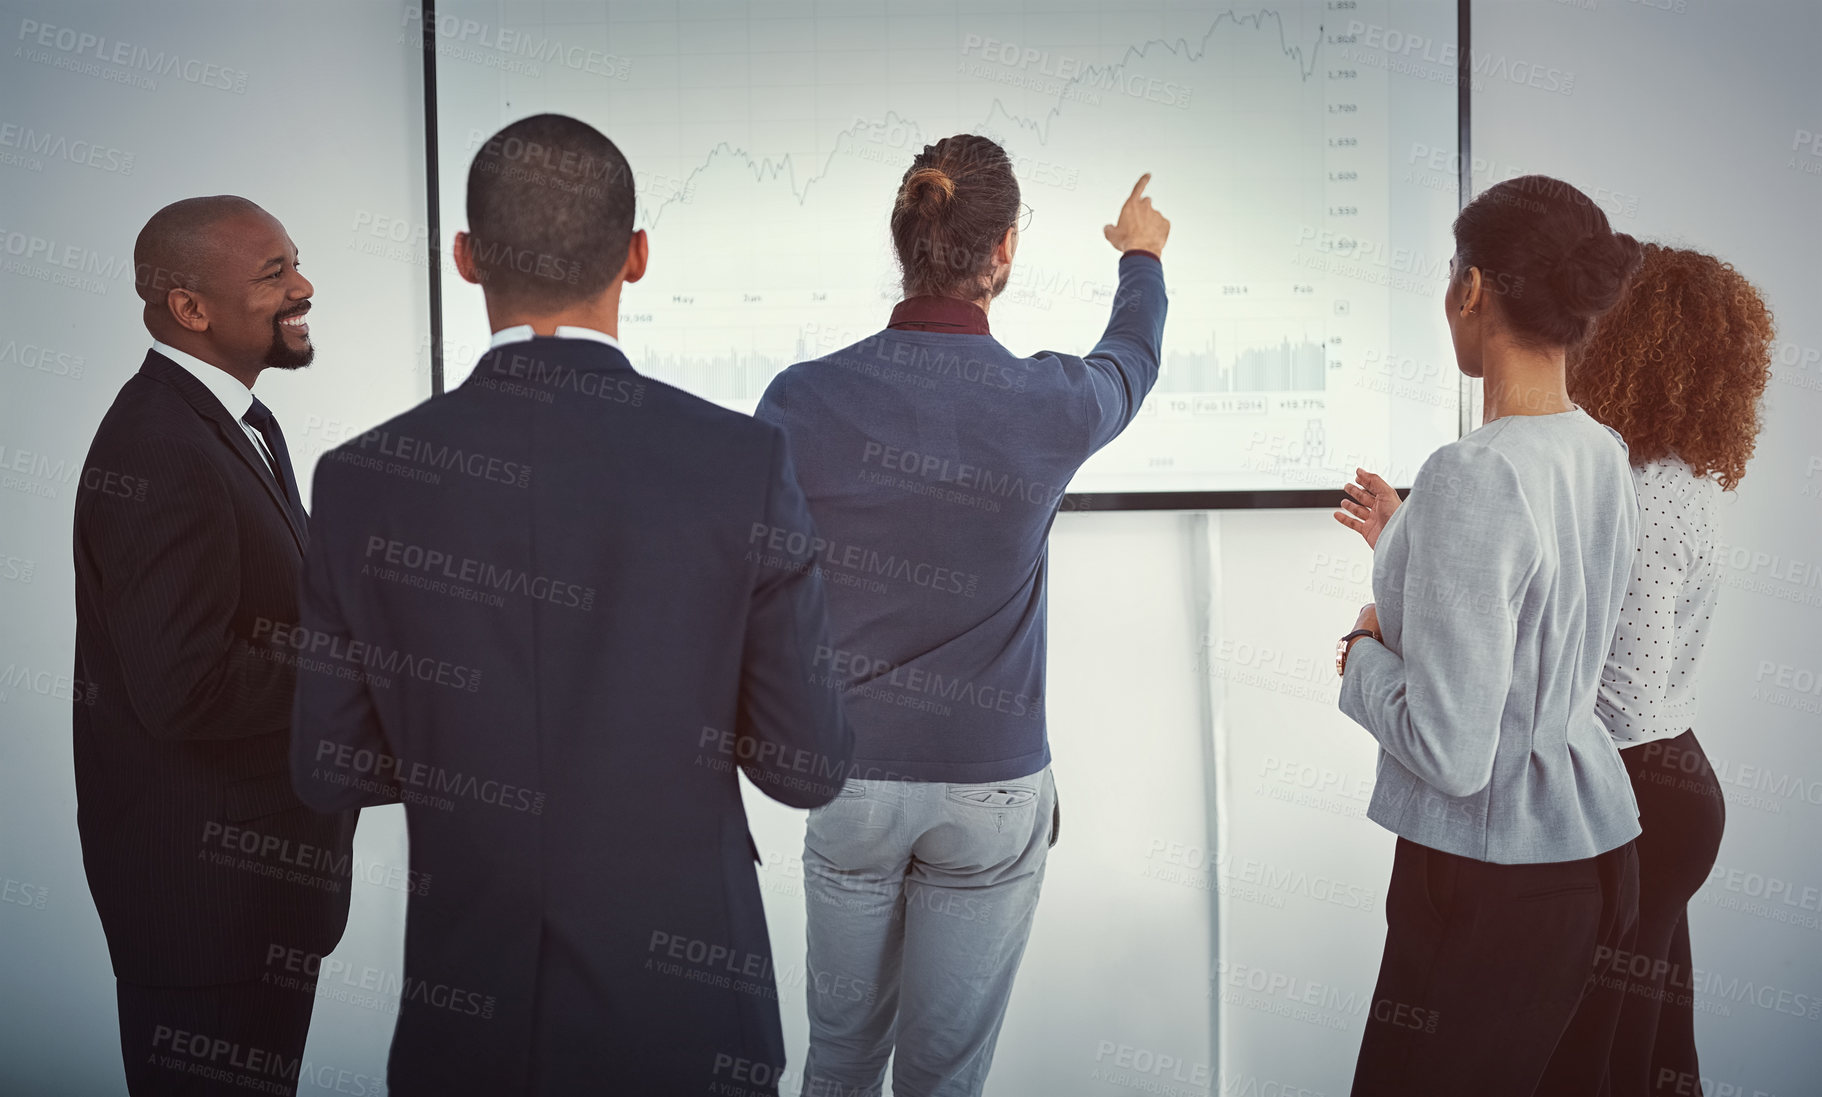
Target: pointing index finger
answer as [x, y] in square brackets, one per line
[1139, 187]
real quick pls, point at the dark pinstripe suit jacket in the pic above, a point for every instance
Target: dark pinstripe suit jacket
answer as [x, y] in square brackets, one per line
[201, 859]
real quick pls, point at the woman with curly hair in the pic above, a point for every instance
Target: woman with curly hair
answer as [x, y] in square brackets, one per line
[1677, 368]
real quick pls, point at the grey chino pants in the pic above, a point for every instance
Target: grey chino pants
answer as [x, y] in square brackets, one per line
[921, 897]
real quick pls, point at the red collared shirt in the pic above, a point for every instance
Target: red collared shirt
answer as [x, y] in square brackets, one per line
[949, 314]
[946, 314]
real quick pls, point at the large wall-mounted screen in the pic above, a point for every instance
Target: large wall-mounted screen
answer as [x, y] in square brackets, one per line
[1305, 153]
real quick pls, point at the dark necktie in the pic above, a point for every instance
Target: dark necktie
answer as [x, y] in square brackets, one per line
[261, 419]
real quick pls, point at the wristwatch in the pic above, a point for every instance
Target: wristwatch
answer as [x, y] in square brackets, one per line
[1346, 642]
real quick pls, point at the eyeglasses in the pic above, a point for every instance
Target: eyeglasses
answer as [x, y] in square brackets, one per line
[1024, 221]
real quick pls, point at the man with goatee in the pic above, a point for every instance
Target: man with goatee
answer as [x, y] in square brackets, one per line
[189, 537]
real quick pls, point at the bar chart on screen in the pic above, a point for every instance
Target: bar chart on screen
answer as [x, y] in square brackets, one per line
[1306, 259]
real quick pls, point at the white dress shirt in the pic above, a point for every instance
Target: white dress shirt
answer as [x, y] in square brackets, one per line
[234, 396]
[521, 332]
[1647, 687]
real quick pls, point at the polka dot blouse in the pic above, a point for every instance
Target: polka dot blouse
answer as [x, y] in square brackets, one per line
[1647, 688]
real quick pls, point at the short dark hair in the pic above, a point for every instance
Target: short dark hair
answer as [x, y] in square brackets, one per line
[550, 212]
[1546, 249]
[954, 204]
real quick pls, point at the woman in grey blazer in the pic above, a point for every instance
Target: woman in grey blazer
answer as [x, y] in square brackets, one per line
[1498, 585]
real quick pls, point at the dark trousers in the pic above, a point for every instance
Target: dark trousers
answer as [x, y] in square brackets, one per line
[234, 1038]
[1484, 967]
[1651, 987]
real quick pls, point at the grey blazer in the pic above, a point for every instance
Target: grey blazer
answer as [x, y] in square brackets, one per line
[1498, 584]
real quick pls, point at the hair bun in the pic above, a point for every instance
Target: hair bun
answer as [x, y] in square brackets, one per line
[927, 189]
[1590, 279]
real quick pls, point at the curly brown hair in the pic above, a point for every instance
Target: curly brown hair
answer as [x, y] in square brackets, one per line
[1678, 366]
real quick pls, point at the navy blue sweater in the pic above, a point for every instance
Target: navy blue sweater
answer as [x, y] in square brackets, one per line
[934, 462]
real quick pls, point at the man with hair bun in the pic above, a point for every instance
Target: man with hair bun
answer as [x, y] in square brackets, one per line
[935, 459]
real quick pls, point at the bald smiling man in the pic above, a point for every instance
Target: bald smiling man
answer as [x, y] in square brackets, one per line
[216, 887]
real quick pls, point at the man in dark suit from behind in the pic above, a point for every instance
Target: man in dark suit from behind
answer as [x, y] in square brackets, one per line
[558, 608]
[189, 539]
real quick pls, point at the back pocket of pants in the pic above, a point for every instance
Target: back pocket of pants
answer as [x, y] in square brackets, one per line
[993, 795]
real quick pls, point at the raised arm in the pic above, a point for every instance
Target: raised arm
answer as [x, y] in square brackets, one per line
[1471, 548]
[1123, 366]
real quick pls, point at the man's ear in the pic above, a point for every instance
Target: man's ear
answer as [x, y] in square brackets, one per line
[464, 258]
[1006, 248]
[187, 309]
[638, 253]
